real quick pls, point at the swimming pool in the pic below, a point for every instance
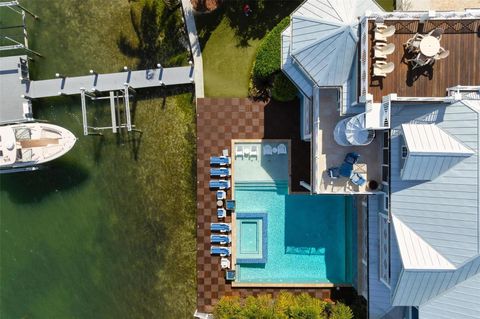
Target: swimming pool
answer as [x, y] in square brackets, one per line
[308, 238]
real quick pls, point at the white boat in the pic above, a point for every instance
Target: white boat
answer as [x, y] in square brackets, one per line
[23, 146]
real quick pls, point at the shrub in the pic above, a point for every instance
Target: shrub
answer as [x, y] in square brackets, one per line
[285, 306]
[283, 89]
[267, 60]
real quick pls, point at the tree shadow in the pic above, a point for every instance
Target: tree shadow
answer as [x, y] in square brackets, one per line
[206, 23]
[160, 35]
[33, 187]
[264, 15]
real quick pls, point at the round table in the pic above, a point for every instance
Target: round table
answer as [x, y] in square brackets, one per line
[274, 150]
[219, 203]
[429, 46]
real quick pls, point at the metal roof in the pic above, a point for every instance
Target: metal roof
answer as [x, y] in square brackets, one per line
[322, 40]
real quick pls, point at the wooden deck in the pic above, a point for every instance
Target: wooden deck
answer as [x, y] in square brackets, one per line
[462, 67]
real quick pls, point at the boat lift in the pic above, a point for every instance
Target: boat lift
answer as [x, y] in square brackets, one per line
[115, 98]
[16, 7]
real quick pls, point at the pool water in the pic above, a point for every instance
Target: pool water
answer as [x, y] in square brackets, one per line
[307, 235]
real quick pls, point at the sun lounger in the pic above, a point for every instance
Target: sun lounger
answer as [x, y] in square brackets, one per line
[357, 179]
[239, 151]
[382, 68]
[220, 160]
[221, 195]
[220, 239]
[221, 213]
[281, 149]
[382, 33]
[220, 227]
[218, 250]
[267, 150]
[219, 184]
[220, 171]
[381, 50]
[253, 151]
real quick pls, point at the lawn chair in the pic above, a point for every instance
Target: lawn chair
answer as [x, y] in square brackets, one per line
[413, 44]
[220, 172]
[381, 50]
[225, 263]
[420, 60]
[218, 250]
[239, 151]
[221, 195]
[383, 32]
[358, 179]
[267, 150]
[281, 149]
[382, 68]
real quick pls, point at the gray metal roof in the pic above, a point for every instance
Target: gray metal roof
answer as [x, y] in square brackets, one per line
[11, 89]
[322, 40]
[462, 301]
[444, 212]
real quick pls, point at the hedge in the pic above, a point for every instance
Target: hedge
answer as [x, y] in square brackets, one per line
[285, 306]
[283, 89]
[267, 61]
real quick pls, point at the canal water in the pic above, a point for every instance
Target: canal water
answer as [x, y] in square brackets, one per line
[108, 230]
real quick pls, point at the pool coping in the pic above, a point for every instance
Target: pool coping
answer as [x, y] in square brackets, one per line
[232, 166]
[289, 285]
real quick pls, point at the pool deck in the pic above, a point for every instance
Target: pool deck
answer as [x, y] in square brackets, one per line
[219, 121]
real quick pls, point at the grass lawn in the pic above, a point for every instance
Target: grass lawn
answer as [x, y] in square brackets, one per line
[226, 64]
[387, 5]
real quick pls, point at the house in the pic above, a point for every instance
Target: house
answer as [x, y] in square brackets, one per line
[418, 130]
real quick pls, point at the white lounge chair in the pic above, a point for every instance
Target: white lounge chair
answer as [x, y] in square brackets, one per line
[381, 68]
[254, 151]
[382, 33]
[382, 50]
[281, 149]
[239, 151]
[267, 150]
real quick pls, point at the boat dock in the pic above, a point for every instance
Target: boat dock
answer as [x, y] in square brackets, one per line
[17, 90]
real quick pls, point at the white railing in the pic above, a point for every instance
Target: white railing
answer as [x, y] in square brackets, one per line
[364, 56]
[430, 15]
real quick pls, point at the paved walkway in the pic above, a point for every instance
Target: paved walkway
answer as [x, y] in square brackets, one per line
[195, 45]
[109, 81]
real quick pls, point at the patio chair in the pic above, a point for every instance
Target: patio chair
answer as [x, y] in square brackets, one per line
[420, 60]
[381, 50]
[437, 33]
[220, 160]
[221, 227]
[221, 213]
[351, 158]
[221, 195]
[220, 172]
[413, 44]
[346, 169]
[267, 150]
[225, 263]
[218, 250]
[358, 179]
[219, 184]
[254, 151]
[239, 151]
[281, 149]
[442, 54]
[334, 172]
[382, 68]
[220, 239]
[382, 33]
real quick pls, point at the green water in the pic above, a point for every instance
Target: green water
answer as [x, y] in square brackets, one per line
[107, 231]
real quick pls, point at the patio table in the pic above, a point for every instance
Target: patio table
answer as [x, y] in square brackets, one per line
[429, 46]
